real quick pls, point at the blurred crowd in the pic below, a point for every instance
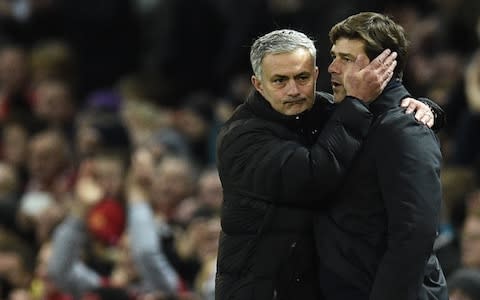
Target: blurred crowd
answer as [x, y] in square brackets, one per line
[109, 112]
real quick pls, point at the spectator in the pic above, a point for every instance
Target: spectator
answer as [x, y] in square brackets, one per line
[464, 284]
[50, 178]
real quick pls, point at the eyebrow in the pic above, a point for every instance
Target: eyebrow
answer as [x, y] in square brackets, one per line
[280, 76]
[343, 55]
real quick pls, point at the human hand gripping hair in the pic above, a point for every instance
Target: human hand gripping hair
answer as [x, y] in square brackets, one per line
[364, 80]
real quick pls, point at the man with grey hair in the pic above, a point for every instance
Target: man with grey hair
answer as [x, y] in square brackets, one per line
[280, 157]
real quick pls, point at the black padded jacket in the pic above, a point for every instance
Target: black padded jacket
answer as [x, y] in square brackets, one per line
[277, 171]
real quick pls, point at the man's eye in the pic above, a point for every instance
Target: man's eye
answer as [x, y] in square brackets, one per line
[278, 80]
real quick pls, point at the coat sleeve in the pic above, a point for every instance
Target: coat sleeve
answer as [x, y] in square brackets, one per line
[409, 179]
[148, 255]
[322, 167]
[65, 267]
[272, 165]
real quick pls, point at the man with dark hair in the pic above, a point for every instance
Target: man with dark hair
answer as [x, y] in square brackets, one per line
[375, 242]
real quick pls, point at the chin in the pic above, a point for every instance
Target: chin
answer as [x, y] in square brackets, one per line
[338, 98]
[294, 112]
[339, 95]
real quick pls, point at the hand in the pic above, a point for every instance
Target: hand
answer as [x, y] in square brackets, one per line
[365, 81]
[423, 113]
[87, 191]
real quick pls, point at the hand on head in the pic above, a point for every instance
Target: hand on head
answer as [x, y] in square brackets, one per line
[366, 81]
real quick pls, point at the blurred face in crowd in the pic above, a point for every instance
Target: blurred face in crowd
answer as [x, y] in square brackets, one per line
[209, 235]
[191, 124]
[109, 173]
[14, 144]
[210, 191]
[8, 179]
[288, 81]
[470, 252]
[47, 157]
[17, 275]
[54, 102]
[172, 183]
[13, 69]
[458, 295]
[344, 53]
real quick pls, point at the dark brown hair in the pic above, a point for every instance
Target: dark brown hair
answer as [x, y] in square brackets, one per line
[379, 32]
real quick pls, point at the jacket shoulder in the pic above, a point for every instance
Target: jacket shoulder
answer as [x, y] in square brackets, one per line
[395, 126]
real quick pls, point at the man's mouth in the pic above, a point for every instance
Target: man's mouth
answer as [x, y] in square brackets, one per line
[336, 84]
[294, 101]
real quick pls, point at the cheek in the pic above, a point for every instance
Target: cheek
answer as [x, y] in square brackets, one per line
[274, 97]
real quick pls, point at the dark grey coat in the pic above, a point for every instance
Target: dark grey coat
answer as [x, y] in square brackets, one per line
[376, 239]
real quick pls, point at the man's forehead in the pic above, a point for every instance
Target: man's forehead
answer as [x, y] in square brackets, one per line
[345, 45]
[296, 61]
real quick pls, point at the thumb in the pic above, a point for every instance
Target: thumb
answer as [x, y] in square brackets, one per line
[405, 102]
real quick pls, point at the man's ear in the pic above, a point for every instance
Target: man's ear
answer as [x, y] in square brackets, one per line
[257, 84]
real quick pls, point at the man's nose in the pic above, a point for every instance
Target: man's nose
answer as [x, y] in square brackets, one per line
[293, 87]
[333, 68]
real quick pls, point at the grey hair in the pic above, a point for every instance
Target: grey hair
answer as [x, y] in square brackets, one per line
[276, 42]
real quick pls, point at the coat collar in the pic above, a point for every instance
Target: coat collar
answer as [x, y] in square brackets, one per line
[264, 110]
[391, 97]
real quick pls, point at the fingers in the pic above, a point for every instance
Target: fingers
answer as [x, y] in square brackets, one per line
[406, 102]
[422, 110]
[388, 74]
[365, 80]
[389, 60]
[425, 117]
[378, 61]
[385, 64]
[409, 103]
[384, 59]
[423, 113]
[431, 122]
[419, 115]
